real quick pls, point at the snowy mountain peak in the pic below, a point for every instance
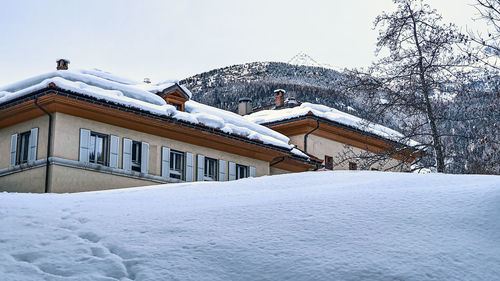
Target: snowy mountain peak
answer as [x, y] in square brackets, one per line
[306, 60]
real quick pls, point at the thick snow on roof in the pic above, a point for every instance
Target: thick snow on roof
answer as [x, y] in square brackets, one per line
[103, 85]
[341, 225]
[332, 114]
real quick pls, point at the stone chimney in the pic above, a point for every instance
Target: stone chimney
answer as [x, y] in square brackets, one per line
[62, 64]
[280, 97]
[244, 106]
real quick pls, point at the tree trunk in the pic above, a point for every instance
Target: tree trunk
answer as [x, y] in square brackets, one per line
[438, 148]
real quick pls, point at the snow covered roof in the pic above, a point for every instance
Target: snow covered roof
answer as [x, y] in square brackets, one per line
[106, 86]
[331, 114]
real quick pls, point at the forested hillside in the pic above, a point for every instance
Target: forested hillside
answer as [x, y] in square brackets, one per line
[222, 87]
[472, 149]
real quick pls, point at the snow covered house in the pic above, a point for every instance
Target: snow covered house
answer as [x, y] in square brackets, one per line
[326, 133]
[80, 130]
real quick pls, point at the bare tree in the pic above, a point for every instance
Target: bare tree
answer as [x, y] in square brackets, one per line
[418, 71]
[485, 48]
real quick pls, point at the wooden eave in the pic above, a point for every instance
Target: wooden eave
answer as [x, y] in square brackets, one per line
[300, 126]
[54, 101]
[294, 165]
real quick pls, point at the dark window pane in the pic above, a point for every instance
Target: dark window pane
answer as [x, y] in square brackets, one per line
[353, 166]
[241, 171]
[328, 162]
[210, 169]
[23, 145]
[136, 156]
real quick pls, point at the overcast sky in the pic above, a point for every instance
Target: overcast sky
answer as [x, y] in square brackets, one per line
[175, 39]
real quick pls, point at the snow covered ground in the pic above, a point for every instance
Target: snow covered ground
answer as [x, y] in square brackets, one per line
[340, 225]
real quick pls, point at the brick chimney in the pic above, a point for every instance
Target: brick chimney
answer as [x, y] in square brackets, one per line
[62, 64]
[280, 97]
[244, 106]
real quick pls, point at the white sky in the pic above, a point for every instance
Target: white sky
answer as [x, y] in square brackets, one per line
[175, 39]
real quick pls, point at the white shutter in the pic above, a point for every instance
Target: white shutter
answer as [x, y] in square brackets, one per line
[189, 166]
[33, 144]
[127, 154]
[222, 170]
[232, 171]
[252, 171]
[13, 149]
[200, 171]
[84, 145]
[145, 158]
[165, 162]
[113, 151]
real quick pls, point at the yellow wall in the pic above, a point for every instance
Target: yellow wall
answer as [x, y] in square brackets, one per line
[41, 123]
[68, 179]
[65, 144]
[319, 147]
[67, 139]
[32, 180]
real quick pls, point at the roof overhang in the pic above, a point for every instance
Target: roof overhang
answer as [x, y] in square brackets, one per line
[58, 100]
[344, 134]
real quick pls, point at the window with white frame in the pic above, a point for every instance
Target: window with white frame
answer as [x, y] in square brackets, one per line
[23, 147]
[98, 149]
[210, 171]
[136, 156]
[241, 171]
[176, 164]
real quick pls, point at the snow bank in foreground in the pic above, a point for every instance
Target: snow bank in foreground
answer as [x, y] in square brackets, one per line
[309, 226]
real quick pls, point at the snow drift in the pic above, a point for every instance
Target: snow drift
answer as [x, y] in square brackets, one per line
[340, 225]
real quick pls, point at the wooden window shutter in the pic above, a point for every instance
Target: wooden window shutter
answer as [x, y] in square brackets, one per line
[189, 167]
[84, 145]
[33, 145]
[13, 149]
[252, 171]
[165, 162]
[113, 151]
[232, 171]
[127, 154]
[144, 157]
[200, 171]
[222, 170]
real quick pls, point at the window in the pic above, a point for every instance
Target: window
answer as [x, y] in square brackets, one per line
[353, 166]
[98, 149]
[23, 147]
[210, 169]
[241, 171]
[136, 156]
[176, 164]
[328, 162]
[374, 169]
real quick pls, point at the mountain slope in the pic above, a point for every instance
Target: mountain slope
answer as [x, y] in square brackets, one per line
[224, 86]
